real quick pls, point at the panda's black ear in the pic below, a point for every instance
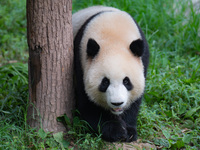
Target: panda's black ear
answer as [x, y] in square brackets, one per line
[92, 48]
[137, 47]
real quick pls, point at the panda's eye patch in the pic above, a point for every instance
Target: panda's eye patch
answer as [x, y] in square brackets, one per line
[104, 84]
[127, 83]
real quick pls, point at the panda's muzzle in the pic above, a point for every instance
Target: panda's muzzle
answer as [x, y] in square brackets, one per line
[117, 109]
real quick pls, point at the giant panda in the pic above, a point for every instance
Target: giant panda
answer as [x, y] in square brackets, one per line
[111, 60]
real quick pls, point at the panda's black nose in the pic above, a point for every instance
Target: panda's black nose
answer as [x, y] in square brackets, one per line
[117, 104]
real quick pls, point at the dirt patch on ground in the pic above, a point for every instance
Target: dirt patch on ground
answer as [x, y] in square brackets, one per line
[132, 146]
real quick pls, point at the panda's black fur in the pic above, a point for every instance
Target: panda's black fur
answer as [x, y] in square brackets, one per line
[113, 127]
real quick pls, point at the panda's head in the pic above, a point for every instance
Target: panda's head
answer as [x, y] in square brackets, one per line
[111, 60]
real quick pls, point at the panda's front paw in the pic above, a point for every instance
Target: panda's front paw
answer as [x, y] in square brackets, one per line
[114, 131]
[132, 134]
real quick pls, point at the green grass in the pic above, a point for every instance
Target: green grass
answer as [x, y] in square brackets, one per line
[170, 114]
[13, 45]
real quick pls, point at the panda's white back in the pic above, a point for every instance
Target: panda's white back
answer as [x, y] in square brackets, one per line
[81, 16]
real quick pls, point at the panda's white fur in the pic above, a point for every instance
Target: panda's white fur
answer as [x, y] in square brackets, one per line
[81, 16]
[113, 31]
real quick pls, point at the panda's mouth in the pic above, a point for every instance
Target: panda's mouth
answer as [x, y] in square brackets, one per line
[117, 110]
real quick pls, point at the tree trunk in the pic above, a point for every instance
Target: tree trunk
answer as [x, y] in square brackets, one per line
[49, 31]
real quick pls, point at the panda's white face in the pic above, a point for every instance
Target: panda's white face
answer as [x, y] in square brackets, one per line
[111, 61]
[113, 84]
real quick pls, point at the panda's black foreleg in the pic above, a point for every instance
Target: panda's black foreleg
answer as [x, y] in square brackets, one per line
[114, 130]
[118, 130]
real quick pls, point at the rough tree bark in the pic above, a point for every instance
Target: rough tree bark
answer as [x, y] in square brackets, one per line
[49, 31]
